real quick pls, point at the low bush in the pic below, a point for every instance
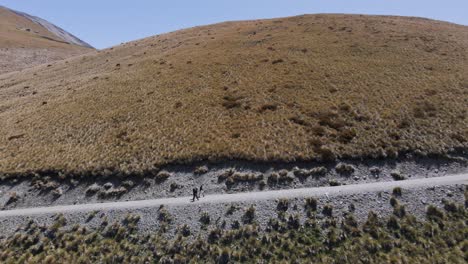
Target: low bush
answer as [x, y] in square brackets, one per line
[249, 215]
[311, 203]
[162, 176]
[282, 205]
[397, 176]
[343, 168]
[328, 210]
[396, 191]
[201, 170]
[205, 218]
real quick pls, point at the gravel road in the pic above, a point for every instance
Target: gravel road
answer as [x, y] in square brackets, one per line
[246, 197]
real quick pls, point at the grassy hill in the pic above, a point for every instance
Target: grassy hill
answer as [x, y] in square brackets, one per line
[299, 88]
[24, 43]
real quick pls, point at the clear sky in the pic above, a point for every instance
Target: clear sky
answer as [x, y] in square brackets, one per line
[105, 23]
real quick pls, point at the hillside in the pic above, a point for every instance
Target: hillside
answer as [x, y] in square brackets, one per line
[299, 88]
[27, 40]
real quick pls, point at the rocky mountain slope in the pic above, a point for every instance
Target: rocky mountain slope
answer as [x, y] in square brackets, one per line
[27, 41]
[313, 87]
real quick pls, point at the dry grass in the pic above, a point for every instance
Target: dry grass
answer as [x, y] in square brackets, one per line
[299, 88]
[24, 44]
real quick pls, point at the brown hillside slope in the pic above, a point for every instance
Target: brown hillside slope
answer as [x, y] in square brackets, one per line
[24, 43]
[307, 87]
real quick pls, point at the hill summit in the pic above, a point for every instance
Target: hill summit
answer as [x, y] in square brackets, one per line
[27, 40]
[312, 87]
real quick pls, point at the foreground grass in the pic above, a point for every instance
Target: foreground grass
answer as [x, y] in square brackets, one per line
[401, 238]
[299, 88]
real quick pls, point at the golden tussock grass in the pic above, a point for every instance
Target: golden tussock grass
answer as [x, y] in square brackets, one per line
[299, 88]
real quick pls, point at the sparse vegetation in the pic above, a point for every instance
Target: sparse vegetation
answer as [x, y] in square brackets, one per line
[311, 204]
[397, 176]
[298, 106]
[328, 210]
[249, 215]
[275, 178]
[439, 239]
[318, 171]
[343, 168]
[201, 170]
[164, 216]
[283, 204]
[162, 176]
[205, 218]
[397, 191]
[12, 198]
[334, 182]
[93, 189]
[232, 208]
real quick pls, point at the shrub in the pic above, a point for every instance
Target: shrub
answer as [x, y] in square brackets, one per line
[225, 175]
[262, 185]
[283, 204]
[235, 225]
[205, 218]
[434, 214]
[283, 173]
[328, 210]
[311, 203]
[201, 170]
[112, 193]
[128, 184]
[214, 235]
[56, 193]
[13, 198]
[397, 191]
[343, 168]
[334, 183]
[450, 206]
[93, 189]
[319, 171]
[147, 182]
[300, 173]
[273, 178]
[162, 176]
[174, 186]
[185, 230]
[375, 171]
[91, 215]
[294, 222]
[225, 256]
[232, 209]
[397, 176]
[249, 215]
[393, 223]
[164, 216]
[399, 210]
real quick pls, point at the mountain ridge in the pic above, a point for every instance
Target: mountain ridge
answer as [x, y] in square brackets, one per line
[27, 41]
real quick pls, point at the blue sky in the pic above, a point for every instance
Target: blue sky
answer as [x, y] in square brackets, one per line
[105, 23]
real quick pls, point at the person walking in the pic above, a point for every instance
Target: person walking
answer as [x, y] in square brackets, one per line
[195, 194]
[201, 192]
